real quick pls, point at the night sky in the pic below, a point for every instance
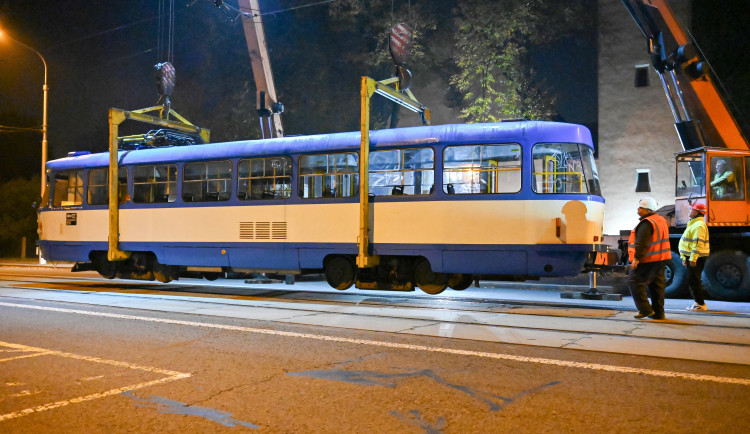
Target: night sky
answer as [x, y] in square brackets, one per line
[102, 54]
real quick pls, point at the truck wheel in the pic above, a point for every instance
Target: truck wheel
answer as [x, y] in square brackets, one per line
[726, 276]
[676, 277]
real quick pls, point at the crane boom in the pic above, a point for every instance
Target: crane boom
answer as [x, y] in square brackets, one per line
[269, 109]
[702, 116]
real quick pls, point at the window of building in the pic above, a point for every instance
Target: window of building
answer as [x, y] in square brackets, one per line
[642, 180]
[68, 188]
[641, 75]
[98, 186]
[207, 181]
[479, 169]
[564, 168]
[328, 175]
[399, 172]
[155, 183]
[264, 178]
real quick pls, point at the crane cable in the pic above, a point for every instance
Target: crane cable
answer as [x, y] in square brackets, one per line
[165, 32]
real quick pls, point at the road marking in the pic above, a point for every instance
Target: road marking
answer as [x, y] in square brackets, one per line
[25, 356]
[170, 376]
[422, 348]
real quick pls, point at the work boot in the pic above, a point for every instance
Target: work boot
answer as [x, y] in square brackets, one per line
[640, 315]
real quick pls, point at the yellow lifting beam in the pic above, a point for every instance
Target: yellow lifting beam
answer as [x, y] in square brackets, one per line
[404, 98]
[116, 117]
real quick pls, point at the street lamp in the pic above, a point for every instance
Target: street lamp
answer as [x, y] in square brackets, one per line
[44, 115]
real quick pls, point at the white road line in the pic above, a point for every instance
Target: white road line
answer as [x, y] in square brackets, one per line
[90, 358]
[423, 348]
[25, 356]
[91, 397]
[171, 376]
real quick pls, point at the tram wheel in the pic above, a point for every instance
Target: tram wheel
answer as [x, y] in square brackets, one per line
[459, 282]
[162, 273]
[427, 280]
[340, 272]
[106, 268]
[211, 276]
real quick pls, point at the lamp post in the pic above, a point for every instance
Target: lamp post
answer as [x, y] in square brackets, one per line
[44, 113]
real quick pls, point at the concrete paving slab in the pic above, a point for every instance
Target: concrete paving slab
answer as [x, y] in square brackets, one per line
[506, 335]
[703, 351]
[392, 325]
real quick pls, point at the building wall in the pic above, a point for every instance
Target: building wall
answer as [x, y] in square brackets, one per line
[636, 126]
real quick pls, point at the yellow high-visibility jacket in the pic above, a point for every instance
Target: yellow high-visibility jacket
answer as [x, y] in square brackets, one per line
[694, 241]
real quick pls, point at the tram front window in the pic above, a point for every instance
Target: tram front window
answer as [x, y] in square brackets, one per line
[564, 168]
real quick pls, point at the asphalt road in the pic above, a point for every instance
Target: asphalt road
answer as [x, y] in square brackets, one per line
[79, 354]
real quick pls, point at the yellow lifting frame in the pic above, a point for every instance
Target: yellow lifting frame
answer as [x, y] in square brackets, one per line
[404, 98]
[116, 117]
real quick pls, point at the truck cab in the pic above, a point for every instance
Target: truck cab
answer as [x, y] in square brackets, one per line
[717, 178]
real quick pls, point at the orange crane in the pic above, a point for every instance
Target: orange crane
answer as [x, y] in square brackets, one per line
[698, 105]
[714, 144]
[269, 108]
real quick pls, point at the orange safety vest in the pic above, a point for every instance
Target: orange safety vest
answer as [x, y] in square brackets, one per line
[658, 245]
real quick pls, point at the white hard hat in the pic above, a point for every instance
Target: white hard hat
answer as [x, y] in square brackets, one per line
[648, 203]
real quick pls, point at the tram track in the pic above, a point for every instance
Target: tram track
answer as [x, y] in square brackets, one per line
[711, 337]
[412, 300]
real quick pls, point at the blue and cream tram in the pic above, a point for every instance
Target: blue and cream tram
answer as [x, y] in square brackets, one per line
[449, 204]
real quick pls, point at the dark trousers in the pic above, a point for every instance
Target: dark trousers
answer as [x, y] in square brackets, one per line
[694, 280]
[648, 280]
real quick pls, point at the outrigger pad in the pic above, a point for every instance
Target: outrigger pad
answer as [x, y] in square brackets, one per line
[591, 295]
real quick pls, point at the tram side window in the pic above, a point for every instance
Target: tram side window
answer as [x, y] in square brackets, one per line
[68, 188]
[155, 183]
[480, 169]
[98, 186]
[207, 181]
[264, 178]
[564, 168]
[399, 172]
[328, 175]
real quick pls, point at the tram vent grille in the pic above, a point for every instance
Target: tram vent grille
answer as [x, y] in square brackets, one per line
[246, 230]
[278, 230]
[263, 230]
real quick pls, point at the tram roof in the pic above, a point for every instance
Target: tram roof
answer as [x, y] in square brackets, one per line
[499, 132]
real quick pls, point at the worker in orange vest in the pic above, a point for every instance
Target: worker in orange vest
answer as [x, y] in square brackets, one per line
[649, 251]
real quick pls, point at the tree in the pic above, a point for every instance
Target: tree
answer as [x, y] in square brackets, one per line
[21, 148]
[493, 39]
[364, 27]
[17, 216]
[483, 48]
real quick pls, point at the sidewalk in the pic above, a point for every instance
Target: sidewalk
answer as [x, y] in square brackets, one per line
[33, 263]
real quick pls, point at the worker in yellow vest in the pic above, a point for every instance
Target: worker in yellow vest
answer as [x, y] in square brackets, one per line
[648, 251]
[694, 249]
